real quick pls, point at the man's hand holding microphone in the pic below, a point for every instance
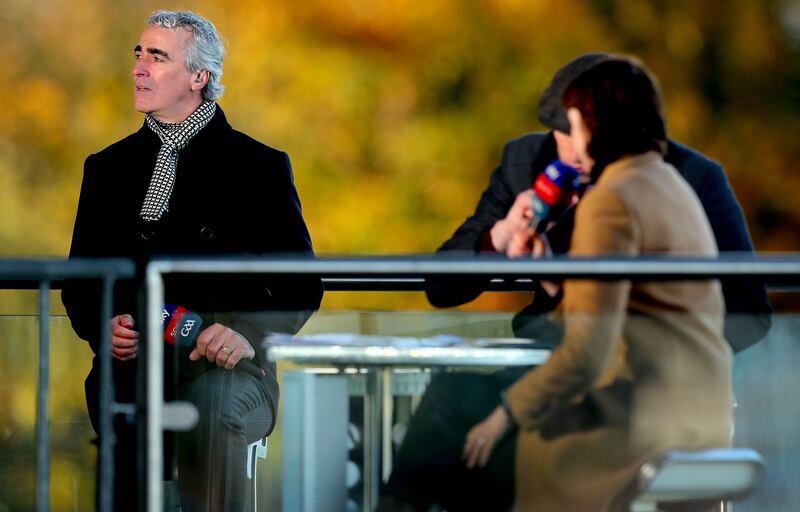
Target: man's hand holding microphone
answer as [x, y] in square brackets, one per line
[223, 346]
[515, 226]
[218, 343]
[522, 231]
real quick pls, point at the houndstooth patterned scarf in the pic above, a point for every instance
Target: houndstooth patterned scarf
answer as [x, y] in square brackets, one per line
[174, 137]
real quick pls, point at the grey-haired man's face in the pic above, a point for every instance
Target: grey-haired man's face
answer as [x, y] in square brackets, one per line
[163, 87]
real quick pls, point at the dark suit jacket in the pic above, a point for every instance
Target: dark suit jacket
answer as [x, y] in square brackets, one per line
[748, 310]
[232, 196]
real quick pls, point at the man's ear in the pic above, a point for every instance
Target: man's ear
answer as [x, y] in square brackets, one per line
[199, 79]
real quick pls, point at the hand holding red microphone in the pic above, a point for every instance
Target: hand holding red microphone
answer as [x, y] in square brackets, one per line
[219, 344]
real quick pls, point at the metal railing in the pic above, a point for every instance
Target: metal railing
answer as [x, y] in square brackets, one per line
[409, 273]
[340, 274]
[47, 275]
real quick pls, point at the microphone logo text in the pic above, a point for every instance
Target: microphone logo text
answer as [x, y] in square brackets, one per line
[187, 328]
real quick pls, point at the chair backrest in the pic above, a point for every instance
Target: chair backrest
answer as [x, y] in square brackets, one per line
[256, 449]
[720, 474]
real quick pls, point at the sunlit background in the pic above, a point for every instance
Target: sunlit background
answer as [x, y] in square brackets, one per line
[394, 112]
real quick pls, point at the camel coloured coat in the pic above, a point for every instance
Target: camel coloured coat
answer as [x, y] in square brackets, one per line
[642, 368]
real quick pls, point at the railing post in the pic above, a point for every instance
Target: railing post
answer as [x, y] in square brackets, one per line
[154, 354]
[43, 395]
[105, 482]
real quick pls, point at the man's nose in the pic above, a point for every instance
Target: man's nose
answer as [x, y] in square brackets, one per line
[140, 68]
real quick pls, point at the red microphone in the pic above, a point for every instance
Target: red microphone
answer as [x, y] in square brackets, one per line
[181, 327]
[552, 193]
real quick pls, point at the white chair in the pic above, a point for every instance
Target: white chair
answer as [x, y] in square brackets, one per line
[255, 450]
[707, 475]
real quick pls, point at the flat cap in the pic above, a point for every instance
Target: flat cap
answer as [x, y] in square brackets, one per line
[551, 113]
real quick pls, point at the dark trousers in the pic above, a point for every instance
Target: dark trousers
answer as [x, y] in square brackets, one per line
[429, 467]
[234, 411]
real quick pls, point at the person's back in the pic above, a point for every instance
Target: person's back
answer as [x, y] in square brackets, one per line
[643, 366]
[672, 330]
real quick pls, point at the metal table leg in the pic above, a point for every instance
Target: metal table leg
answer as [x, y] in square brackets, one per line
[374, 420]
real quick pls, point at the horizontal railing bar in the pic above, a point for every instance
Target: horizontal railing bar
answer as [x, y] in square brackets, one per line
[410, 284]
[59, 269]
[765, 268]
[408, 273]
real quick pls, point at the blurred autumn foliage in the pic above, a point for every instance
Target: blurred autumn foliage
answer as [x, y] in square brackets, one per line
[395, 112]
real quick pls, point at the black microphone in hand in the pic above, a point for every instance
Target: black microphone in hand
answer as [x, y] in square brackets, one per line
[181, 327]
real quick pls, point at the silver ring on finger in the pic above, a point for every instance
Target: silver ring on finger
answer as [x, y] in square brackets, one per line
[481, 441]
[227, 350]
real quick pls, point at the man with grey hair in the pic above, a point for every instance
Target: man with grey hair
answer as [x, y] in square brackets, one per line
[187, 183]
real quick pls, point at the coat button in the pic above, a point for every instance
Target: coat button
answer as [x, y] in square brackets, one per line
[207, 233]
[148, 234]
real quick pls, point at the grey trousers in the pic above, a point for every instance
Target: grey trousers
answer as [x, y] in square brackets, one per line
[234, 411]
[211, 459]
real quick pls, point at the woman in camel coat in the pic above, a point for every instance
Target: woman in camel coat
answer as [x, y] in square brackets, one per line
[643, 366]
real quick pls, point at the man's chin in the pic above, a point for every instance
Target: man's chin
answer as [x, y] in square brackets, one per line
[141, 108]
